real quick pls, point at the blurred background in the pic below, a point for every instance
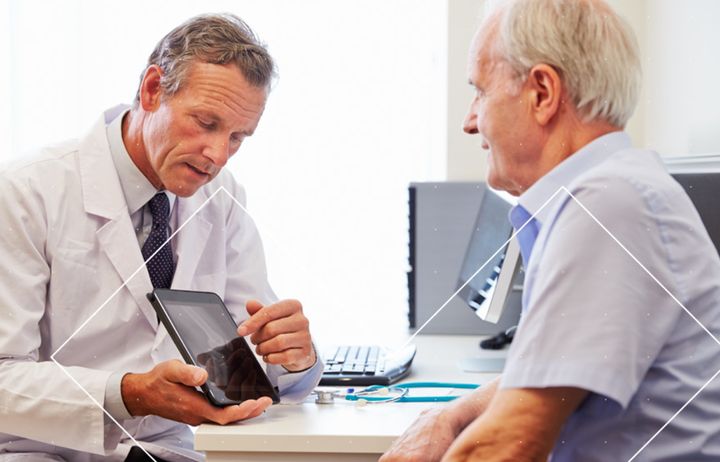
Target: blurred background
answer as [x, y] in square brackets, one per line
[371, 96]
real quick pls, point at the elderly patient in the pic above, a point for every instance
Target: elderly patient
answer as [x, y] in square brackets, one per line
[80, 218]
[616, 262]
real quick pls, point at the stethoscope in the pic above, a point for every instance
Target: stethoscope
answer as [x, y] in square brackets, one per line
[378, 394]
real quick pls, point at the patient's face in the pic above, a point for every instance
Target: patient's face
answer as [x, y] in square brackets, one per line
[501, 115]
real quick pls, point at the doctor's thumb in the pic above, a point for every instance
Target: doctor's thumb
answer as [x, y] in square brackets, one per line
[196, 376]
[192, 376]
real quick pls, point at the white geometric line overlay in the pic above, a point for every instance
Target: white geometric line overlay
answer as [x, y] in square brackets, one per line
[140, 268]
[565, 190]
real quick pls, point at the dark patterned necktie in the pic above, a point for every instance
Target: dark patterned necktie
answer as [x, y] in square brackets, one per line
[161, 266]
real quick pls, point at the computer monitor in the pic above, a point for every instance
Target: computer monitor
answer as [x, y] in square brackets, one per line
[486, 288]
[699, 175]
[703, 189]
[490, 272]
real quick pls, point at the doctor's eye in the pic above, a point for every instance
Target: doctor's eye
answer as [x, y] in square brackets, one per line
[206, 124]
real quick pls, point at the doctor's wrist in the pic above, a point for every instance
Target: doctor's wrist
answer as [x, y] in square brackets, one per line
[302, 366]
[131, 387]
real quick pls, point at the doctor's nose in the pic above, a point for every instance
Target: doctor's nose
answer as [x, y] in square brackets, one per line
[218, 153]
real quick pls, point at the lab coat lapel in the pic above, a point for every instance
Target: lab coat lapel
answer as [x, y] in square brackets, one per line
[119, 243]
[103, 197]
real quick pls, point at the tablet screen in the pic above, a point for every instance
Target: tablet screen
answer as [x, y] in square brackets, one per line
[208, 334]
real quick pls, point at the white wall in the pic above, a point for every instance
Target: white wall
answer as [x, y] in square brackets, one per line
[465, 158]
[682, 72]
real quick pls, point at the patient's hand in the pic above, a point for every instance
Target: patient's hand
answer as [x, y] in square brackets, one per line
[168, 391]
[426, 440]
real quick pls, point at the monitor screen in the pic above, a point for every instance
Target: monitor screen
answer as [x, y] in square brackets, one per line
[703, 189]
[487, 275]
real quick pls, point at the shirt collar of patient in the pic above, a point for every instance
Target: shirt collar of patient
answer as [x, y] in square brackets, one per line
[568, 170]
[136, 188]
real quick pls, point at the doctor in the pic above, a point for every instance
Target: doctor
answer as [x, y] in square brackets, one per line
[79, 221]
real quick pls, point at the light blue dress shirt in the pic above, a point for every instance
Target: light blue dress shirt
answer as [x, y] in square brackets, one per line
[609, 319]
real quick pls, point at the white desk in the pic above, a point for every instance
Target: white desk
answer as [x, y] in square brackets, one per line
[340, 432]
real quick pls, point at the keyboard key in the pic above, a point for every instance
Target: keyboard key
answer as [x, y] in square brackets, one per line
[373, 355]
[352, 353]
[341, 354]
[331, 359]
[353, 369]
[362, 355]
[333, 369]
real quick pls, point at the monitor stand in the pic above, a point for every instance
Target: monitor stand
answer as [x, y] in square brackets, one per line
[476, 364]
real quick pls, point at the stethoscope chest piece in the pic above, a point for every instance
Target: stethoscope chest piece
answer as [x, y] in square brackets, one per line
[324, 396]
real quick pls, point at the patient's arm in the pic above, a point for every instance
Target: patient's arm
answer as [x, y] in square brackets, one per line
[519, 425]
[431, 434]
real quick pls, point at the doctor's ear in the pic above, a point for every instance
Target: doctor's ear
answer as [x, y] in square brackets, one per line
[150, 88]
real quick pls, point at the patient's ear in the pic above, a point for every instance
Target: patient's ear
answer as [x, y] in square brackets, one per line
[545, 92]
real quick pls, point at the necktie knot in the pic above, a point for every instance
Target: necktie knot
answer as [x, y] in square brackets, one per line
[159, 209]
[157, 251]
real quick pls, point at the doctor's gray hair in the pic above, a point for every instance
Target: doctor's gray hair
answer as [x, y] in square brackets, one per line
[213, 39]
[593, 49]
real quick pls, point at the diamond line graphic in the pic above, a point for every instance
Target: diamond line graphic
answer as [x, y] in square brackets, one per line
[697, 321]
[140, 268]
[561, 189]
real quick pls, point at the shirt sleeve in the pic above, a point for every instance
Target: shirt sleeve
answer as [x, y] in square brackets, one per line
[598, 312]
[114, 403]
[295, 386]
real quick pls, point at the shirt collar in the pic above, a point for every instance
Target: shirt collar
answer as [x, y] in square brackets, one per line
[136, 188]
[587, 157]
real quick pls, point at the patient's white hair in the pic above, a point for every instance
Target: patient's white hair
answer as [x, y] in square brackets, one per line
[593, 49]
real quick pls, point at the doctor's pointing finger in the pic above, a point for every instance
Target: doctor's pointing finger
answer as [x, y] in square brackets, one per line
[281, 333]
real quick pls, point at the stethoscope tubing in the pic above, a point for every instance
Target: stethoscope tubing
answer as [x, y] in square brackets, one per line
[403, 389]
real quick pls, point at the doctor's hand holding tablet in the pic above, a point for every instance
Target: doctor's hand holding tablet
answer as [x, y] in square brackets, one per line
[234, 385]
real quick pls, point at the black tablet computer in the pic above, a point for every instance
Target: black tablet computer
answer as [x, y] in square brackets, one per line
[206, 335]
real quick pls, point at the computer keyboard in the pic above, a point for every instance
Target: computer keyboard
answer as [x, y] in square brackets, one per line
[366, 365]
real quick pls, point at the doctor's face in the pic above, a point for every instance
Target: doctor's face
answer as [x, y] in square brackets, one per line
[189, 136]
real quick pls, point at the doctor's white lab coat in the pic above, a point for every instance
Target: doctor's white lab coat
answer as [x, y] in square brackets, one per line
[67, 248]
